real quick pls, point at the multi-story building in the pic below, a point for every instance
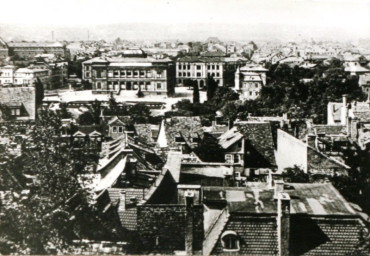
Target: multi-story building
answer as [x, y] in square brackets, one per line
[25, 76]
[249, 81]
[29, 50]
[7, 74]
[116, 74]
[199, 68]
[57, 72]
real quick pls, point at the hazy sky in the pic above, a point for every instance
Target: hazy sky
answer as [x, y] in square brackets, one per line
[351, 16]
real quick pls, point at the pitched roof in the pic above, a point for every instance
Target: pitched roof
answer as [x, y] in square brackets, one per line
[173, 164]
[258, 136]
[205, 169]
[187, 127]
[25, 95]
[230, 137]
[315, 199]
[128, 218]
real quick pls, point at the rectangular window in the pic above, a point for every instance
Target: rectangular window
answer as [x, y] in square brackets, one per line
[136, 73]
[129, 73]
[199, 67]
[159, 86]
[114, 129]
[142, 73]
[123, 73]
[120, 129]
[199, 74]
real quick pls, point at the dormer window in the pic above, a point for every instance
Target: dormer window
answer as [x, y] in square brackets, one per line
[230, 241]
[179, 139]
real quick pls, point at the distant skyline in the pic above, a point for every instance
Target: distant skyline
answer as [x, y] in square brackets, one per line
[185, 20]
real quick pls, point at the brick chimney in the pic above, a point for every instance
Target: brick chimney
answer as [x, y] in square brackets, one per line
[122, 201]
[189, 222]
[283, 223]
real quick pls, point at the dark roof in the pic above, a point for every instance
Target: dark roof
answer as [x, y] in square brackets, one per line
[320, 199]
[24, 95]
[186, 126]
[128, 218]
[201, 59]
[329, 129]
[319, 237]
[259, 141]
[147, 132]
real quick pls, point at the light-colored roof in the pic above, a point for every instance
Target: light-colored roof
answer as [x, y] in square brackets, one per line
[230, 137]
[173, 164]
[108, 180]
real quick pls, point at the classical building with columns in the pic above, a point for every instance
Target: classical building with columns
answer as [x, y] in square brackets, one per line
[116, 74]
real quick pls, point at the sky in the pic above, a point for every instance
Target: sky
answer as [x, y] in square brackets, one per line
[351, 17]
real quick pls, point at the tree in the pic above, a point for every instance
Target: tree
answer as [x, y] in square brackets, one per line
[86, 118]
[295, 175]
[39, 220]
[211, 87]
[140, 94]
[196, 94]
[39, 91]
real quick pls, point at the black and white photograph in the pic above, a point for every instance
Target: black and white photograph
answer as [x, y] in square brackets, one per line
[185, 127]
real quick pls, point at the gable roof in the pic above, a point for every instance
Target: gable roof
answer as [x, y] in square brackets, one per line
[24, 95]
[185, 126]
[258, 135]
[229, 138]
[173, 164]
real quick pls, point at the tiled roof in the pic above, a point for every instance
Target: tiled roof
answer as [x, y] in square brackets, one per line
[329, 129]
[319, 237]
[258, 235]
[128, 218]
[146, 132]
[185, 126]
[25, 95]
[259, 142]
[306, 198]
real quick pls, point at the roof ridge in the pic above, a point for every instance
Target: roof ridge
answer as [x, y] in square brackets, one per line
[214, 232]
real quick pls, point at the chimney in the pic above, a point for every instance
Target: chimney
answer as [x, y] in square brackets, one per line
[279, 188]
[344, 99]
[283, 223]
[189, 222]
[122, 201]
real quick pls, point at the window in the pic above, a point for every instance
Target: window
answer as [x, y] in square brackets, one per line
[199, 67]
[114, 129]
[159, 86]
[188, 74]
[120, 129]
[15, 112]
[136, 73]
[98, 85]
[199, 74]
[230, 241]
[142, 73]
[129, 73]
[87, 74]
[179, 139]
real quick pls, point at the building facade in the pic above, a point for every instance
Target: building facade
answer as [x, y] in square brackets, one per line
[199, 68]
[116, 74]
[28, 50]
[249, 81]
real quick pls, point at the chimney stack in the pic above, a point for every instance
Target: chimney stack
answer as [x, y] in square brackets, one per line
[283, 223]
[122, 201]
[279, 188]
[189, 222]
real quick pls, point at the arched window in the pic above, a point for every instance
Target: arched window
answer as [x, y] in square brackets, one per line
[230, 241]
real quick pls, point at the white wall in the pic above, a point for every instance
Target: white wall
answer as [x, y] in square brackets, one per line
[290, 151]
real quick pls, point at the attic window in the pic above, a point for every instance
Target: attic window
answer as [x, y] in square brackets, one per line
[230, 241]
